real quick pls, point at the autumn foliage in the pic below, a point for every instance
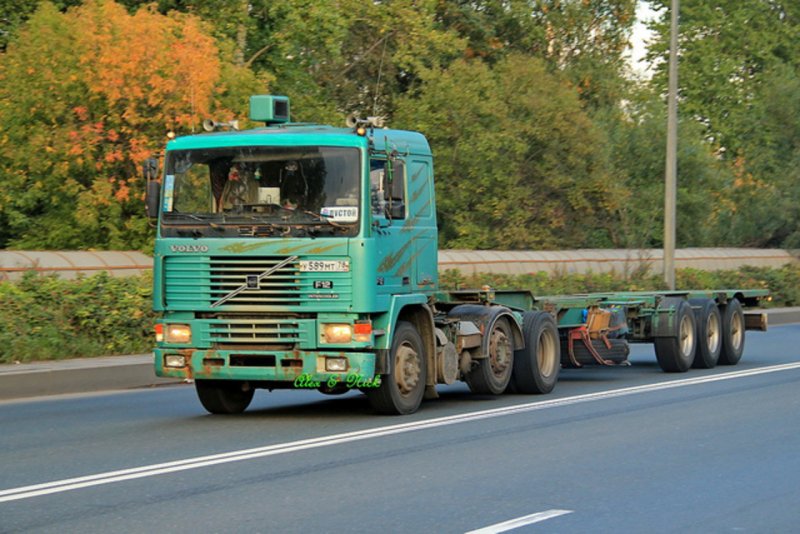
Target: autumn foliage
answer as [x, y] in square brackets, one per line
[85, 97]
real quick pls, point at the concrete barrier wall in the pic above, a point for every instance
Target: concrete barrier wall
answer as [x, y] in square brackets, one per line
[69, 264]
[607, 260]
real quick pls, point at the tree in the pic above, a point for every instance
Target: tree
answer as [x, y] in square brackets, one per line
[583, 39]
[85, 97]
[519, 163]
[739, 67]
[636, 150]
[13, 13]
[726, 47]
[764, 192]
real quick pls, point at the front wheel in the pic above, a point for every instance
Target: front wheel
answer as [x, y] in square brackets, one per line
[675, 353]
[732, 333]
[224, 396]
[536, 367]
[401, 391]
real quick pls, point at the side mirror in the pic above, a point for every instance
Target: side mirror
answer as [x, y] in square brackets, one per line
[150, 169]
[152, 198]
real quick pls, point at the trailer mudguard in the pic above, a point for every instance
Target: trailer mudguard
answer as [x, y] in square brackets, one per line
[663, 322]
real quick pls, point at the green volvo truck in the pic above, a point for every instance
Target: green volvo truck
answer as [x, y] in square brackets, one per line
[305, 256]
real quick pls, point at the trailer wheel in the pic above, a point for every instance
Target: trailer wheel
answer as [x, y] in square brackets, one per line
[709, 333]
[223, 396]
[732, 333]
[536, 367]
[675, 353]
[492, 374]
[401, 391]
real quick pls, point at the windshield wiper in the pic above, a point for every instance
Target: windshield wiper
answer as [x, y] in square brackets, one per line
[201, 218]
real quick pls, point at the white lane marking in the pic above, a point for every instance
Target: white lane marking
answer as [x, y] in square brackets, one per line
[511, 524]
[58, 486]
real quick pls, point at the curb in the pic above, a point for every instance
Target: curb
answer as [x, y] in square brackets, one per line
[80, 375]
[109, 373]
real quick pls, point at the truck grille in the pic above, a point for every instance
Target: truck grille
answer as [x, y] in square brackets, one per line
[196, 283]
[229, 274]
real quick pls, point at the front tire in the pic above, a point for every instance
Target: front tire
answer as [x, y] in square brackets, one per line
[675, 353]
[536, 367]
[732, 333]
[224, 396]
[401, 391]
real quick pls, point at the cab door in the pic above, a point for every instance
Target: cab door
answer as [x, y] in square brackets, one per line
[389, 217]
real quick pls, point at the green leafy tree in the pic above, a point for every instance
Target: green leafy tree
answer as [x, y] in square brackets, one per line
[13, 13]
[518, 161]
[764, 193]
[584, 39]
[340, 56]
[636, 149]
[739, 67]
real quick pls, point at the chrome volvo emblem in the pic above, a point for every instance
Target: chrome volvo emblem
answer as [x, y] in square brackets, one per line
[189, 248]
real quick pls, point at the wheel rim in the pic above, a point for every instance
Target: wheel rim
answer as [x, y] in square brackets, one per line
[686, 335]
[737, 330]
[547, 354]
[407, 370]
[714, 333]
[500, 353]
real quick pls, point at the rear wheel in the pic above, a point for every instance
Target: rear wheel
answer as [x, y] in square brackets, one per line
[224, 396]
[732, 333]
[402, 389]
[536, 367]
[492, 374]
[709, 333]
[675, 353]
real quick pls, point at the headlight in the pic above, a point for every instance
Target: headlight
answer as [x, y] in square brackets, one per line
[174, 360]
[336, 365]
[178, 333]
[337, 333]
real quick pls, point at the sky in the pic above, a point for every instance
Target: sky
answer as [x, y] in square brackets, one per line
[639, 39]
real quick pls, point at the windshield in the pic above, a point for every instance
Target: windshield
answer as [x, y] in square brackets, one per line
[256, 190]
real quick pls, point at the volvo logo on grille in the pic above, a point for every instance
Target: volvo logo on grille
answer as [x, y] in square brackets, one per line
[252, 281]
[189, 248]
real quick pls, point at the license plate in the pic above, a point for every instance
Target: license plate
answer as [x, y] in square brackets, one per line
[325, 266]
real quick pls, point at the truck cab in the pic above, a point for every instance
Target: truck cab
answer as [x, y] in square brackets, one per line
[285, 254]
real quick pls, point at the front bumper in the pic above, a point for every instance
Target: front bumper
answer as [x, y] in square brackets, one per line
[265, 366]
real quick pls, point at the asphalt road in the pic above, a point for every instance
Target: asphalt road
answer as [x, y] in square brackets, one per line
[611, 450]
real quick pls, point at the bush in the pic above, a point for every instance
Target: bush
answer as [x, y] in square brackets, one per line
[49, 318]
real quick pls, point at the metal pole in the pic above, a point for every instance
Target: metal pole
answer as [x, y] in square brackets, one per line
[671, 178]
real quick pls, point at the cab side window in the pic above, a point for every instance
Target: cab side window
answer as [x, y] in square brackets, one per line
[387, 197]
